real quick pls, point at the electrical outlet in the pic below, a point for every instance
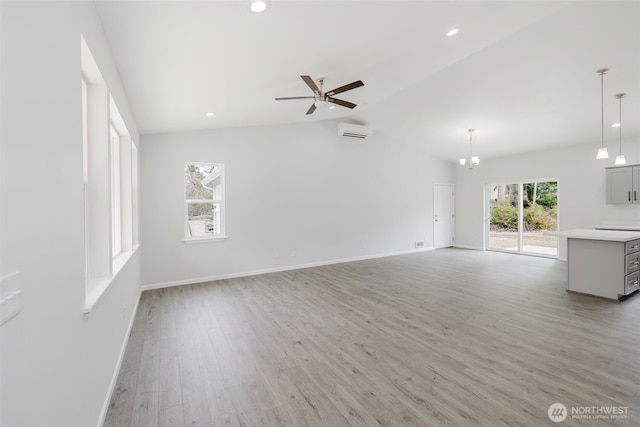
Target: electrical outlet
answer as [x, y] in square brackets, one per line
[419, 244]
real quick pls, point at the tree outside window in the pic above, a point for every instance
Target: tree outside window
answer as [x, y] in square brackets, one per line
[204, 200]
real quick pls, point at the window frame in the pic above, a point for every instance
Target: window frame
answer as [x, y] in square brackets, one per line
[110, 177]
[116, 190]
[218, 198]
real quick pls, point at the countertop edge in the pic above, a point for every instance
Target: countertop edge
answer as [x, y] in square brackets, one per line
[588, 234]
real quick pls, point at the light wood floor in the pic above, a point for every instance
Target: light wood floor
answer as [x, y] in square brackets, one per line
[446, 337]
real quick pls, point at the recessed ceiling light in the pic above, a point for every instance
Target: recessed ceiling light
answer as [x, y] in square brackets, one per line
[210, 114]
[615, 125]
[453, 32]
[258, 6]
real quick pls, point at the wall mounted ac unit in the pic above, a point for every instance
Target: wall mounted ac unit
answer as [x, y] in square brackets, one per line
[349, 130]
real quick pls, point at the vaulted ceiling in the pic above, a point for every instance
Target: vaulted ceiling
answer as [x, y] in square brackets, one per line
[522, 73]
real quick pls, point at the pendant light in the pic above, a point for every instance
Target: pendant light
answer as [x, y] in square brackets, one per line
[602, 151]
[473, 160]
[258, 6]
[620, 160]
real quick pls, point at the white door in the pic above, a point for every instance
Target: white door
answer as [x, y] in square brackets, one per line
[443, 215]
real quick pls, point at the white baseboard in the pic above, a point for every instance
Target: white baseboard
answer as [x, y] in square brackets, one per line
[275, 269]
[474, 248]
[116, 372]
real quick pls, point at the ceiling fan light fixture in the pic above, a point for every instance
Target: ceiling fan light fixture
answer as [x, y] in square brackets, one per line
[453, 32]
[322, 99]
[258, 6]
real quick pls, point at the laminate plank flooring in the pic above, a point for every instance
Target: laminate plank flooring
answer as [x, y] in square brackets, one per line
[448, 337]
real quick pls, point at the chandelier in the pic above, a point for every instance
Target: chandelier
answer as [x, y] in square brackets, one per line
[472, 160]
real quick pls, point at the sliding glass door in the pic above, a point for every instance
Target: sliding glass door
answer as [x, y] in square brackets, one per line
[540, 217]
[520, 216]
[503, 218]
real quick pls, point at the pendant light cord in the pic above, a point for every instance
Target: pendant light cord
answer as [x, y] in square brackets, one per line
[620, 158]
[620, 95]
[602, 106]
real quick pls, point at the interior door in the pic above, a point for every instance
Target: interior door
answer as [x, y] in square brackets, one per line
[443, 215]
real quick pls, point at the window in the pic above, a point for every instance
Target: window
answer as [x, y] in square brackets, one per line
[204, 201]
[116, 211]
[110, 182]
[85, 175]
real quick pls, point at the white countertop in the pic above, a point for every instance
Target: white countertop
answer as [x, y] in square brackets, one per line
[610, 235]
[618, 227]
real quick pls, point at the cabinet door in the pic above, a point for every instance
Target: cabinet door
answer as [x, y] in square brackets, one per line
[635, 195]
[619, 185]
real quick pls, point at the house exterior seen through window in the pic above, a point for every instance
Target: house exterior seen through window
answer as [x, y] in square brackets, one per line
[204, 200]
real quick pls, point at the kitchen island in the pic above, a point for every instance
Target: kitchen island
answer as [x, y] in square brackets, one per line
[605, 263]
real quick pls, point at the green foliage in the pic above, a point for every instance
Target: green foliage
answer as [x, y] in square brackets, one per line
[548, 201]
[539, 206]
[537, 217]
[193, 176]
[194, 190]
[504, 216]
[542, 193]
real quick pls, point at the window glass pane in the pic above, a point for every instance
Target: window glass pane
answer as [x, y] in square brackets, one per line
[203, 219]
[195, 181]
[116, 230]
[204, 200]
[503, 213]
[540, 217]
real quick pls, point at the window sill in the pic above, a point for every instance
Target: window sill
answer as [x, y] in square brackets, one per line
[95, 289]
[204, 240]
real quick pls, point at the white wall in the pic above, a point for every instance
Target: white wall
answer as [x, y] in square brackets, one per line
[56, 363]
[581, 186]
[296, 195]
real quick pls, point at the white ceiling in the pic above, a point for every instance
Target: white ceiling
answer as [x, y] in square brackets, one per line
[522, 73]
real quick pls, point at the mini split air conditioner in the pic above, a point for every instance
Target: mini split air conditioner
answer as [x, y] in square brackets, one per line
[349, 130]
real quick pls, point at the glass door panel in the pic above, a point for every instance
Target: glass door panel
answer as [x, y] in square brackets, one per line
[503, 218]
[539, 217]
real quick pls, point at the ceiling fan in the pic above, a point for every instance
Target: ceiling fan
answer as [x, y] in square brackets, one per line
[322, 98]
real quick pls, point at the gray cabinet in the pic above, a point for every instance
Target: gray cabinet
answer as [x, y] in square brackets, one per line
[623, 185]
[609, 269]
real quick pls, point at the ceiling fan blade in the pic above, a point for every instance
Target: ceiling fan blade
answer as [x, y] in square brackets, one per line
[295, 97]
[341, 102]
[345, 88]
[311, 109]
[309, 81]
